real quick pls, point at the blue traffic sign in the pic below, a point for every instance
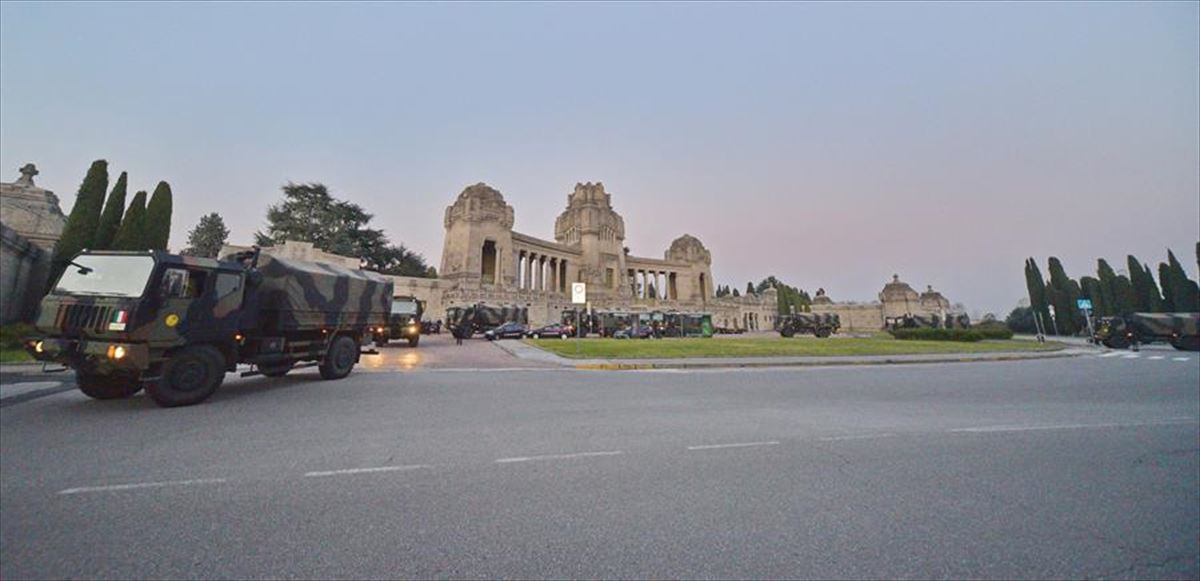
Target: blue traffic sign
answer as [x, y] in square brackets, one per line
[1084, 304]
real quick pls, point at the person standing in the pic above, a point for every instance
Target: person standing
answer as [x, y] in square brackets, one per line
[457, 331]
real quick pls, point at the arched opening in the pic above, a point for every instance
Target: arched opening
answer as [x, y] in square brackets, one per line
[488, 268]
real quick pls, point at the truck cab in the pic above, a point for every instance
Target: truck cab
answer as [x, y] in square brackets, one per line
[404, 322]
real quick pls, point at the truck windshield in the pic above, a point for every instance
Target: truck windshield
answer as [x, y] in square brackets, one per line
[122, 276]
[404, 307]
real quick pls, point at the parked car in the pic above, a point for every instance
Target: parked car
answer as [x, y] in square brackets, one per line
[507, 331]
[552, 330]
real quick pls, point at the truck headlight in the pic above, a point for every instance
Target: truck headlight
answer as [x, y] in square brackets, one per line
[39, 347]
[116, 352]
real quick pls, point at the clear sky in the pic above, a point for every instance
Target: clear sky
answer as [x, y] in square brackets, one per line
[829, 144]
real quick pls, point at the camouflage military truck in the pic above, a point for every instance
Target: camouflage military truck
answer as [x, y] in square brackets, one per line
[819, 324]
[919, 322]
[176, 324]
[403, 323]
[479, 318]
[1181, 330]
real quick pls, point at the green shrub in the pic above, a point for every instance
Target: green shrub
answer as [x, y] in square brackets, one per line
[11, 335]
[993, 330]
[927, 334]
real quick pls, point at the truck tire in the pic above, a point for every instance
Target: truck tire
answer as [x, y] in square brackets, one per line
[119, 386]
[340, 359]
[381, 342]
[277, 369]
[188, 377]
[1187, 343]
[414, 341]
[787, 332]
[823, 333]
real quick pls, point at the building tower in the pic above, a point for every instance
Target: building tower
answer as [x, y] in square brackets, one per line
[477, 251]
[590, 224]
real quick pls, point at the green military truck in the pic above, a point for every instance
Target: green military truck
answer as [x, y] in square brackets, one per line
[1181, 330]
[176, 324]
[403, 323]
[819, 324]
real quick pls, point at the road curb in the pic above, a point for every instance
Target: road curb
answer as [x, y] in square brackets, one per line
[633, 366]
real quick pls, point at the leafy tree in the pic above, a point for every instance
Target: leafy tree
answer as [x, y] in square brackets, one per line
[158, 218]
[309, 213]
[1186, 294]
[81, 226]
[1020, 320]
[1066, 293]
[110, 219]
[1036, 286]
[207, 238]
[431, 272]
[130, 236]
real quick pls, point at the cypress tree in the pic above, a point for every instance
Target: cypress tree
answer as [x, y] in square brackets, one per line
[1037, 291]
[110, 220]
[1066, 292]
[158, 218]
[749, 288]
[131, 234]
[1091, 290]
[1144, 289]
[1186, 293]
[1168, 287]
[80, 230]
[1107, 286]
[1126, 299]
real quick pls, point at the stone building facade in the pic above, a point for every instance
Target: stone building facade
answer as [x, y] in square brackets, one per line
[485, 261]
[31, 222]
[897, 299]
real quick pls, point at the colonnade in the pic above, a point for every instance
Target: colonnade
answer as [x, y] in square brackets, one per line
[541, 272]
[665, 283]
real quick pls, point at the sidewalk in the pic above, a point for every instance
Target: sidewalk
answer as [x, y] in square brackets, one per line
[523, 351]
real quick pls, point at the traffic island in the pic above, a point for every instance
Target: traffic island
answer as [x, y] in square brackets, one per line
[618, 354]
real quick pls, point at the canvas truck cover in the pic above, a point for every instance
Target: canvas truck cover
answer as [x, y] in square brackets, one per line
[294, 295]
[1165, 324]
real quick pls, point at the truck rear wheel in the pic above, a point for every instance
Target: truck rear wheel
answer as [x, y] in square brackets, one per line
[340, 359]
[117, 386]
[1187, 343]
[823, 333]
[787, 332]
[188, 377]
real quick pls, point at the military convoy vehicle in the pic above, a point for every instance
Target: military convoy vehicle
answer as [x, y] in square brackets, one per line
[176, 324]
[1181, 330]
[403, 323]
[480, 318]
[819, 324]
[953, 321]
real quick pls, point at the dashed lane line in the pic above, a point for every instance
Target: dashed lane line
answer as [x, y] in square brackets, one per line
[1180, 359]
[997, 429]
[737, 445]
[1131, 356]
[857, 437]
[141, 485]
[1111, 354]
[370, 470]
[1156, 357]
[556, 457]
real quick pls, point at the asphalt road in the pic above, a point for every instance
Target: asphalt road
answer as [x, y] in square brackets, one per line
[1080, 467]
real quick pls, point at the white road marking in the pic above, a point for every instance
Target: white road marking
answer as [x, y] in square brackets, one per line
[859, 437]
[1180, 359]
[1131, 356]
[739, 445]
[1156, 357]
[994, 429]
[1111, 354]
[556, 457]
[365, 470]
[140, 485]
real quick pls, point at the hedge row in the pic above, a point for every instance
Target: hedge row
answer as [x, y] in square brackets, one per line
[927, 334]
[993, 331]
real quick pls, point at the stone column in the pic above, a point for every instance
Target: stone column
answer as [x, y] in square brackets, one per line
[553, 275]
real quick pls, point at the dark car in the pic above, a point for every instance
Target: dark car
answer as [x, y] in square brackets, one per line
[552, 330]
[507, 331]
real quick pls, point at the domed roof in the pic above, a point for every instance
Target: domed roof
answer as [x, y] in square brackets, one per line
[482, 192]
[897, 289]
[688, 248]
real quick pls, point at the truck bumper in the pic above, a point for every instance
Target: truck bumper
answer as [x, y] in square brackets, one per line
[90, 355]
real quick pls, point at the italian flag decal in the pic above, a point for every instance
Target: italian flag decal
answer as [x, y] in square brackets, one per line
[118, 321]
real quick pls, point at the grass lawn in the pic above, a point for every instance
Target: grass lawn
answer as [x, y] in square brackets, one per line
[770, 347]
[14, 356]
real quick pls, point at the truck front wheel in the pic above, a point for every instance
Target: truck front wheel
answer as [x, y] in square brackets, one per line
[413, 341]
[787, 332]
[340, 359]
[188, 377]
[118, 386]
